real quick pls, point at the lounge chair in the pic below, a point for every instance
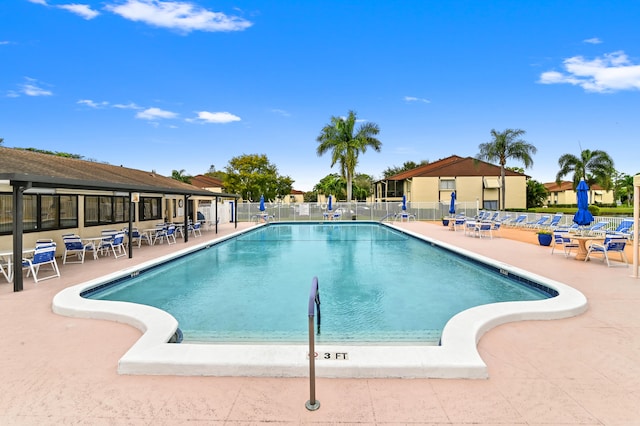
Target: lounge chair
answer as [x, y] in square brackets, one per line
[598, 229]
[624, 229]
[540, 223]
[563, 239]
[610, 245]
[484, 228]
[73, 246]
[518, 221]
[555, 221]
[41, 256]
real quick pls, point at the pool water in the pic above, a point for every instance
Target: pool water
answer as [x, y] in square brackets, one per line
[377, 285]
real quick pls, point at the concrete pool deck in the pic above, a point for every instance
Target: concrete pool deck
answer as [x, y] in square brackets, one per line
[580, 370]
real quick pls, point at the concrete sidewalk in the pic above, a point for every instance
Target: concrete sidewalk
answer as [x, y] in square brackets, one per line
[582, 370]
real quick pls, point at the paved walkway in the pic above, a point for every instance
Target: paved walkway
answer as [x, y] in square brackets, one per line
[578, 371]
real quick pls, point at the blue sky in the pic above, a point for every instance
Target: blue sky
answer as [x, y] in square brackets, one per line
[164, 85]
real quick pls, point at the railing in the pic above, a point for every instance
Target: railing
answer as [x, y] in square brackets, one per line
[314, 304]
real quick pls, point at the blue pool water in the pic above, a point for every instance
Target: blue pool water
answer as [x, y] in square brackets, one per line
[376, 285]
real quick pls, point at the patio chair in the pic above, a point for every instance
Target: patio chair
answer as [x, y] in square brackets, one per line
[458, 222]
[610, 245]
[170, 234]
[73, 246]
[485, 228]
[115, 245]
[195, 229]
[41, 256]
[136, 236]
[563, 239]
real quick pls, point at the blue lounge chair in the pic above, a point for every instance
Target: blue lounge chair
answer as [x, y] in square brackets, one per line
[518, 221]
[624, 229]
[540, 223]
[610, 245]
[555, 221]
[598, 229]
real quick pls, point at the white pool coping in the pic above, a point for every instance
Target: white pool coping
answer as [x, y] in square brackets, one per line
[456, 357]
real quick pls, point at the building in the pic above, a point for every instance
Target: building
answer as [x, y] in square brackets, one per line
[563, 194]
[472, 180]
[46, 196]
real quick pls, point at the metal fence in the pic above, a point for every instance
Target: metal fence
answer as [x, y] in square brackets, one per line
[248, 212]
[350, 211]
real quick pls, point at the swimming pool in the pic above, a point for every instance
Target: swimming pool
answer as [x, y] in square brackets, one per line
[378, 286]
[456, 357]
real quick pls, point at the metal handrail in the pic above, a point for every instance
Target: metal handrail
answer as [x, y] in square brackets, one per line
[314, 304]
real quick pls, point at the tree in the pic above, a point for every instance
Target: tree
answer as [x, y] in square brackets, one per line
[594, 166]
[623, 188]
[345, 145]
[332, 184]
[181, 176]
[408, 165]
[252, 175]
[536, 193]
[505, 145]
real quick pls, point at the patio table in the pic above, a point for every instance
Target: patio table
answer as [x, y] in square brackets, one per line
[7, 268]
[582, 244]
[94, 241]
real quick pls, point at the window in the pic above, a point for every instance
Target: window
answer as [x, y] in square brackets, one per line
[150, 208]
[104, 209]
[447, 184]
[40, 212]
[490, 204]
[491, 182]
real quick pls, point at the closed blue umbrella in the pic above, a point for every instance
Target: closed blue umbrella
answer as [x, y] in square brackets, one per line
[452, 206]
[262, 203]
[330, 207]
[404, 202]
[583, 216]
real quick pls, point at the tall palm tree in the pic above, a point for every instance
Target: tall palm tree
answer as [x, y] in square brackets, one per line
[594, 166]
[505, 145]
[345, 145]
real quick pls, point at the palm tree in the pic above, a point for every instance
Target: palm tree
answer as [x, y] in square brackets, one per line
[345, 145]
[594, 166]
[181, 176]
[505, 145]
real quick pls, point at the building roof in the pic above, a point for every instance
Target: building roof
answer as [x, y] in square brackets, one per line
[566, 185]
[454, 166]
[46, 170]
[204, 181]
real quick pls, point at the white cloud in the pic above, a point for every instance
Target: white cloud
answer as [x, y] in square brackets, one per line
[281, 112]
[177, 15]
[5, 42]
[32, 88]
[130, 105]
[155, 114]
[609, 73]
[82, 10]
[593, 40]
[214, 117]
[414, 99]
[92, 104]
[42, 2]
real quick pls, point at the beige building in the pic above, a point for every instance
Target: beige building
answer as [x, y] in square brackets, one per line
[47, 196]
[565, 194]
[471, 179]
